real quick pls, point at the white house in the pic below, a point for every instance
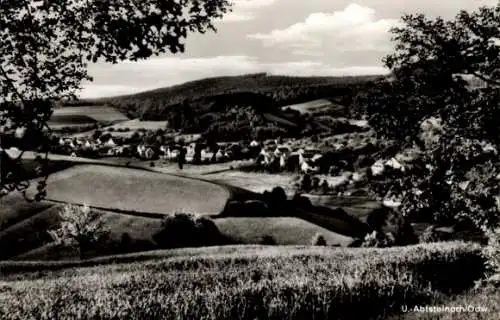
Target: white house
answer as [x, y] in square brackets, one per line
[149, 153]
[110, 143]
[316, 157]
[307, 168]
[283, 161]
[281, 150]
[395, 164]
[377, 168]
[189, 154]
[219, 155]
[254, 143]
[206, 155]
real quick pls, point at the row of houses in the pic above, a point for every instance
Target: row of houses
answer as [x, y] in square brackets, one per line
[268, 153]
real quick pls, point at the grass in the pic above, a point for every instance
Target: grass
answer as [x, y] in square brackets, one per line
[69, 119]
[311, 106]
[99, 113]
[138, 124]
[28, 240]
[254, 181]
[284, 230]
[129, 189]
[14, 208]
[29, 233]
[240, 283]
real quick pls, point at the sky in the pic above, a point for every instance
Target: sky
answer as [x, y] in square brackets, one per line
[285, 37]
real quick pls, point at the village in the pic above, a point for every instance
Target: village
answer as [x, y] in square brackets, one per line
[276, 154]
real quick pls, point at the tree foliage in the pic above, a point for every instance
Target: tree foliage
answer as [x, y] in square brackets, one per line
[80, 226]
[46, 46]
[454, 175]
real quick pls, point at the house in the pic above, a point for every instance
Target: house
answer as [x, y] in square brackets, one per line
[316, 157]
[395, 164]
[189, 154]
[281, 150]
[164, 150]
[110, 143]
[219, 155]
[172, 153]
[282, 161]
[149, 153]
[205, 154]
[140, 150]
[306, 155]
[254, 144]
[377, 168]
[305, 167]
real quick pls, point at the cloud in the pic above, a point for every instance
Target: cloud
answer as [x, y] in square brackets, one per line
[132, 77]
[355, 28]
[245, 10]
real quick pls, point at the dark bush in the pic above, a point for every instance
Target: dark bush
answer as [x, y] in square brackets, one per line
[378, 218]
[233, 208]
[318, 240]
[302, 202]
[255, 208]
[306, 183]
[267, 240]
[187, 230]
[278, 198]
[405, 235]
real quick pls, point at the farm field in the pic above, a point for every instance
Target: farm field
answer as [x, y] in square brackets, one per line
[284, 230]
[135, 190]
[254, 181]
[207, 170]
[97, 113]
[356, 207]
[312, 106]
[248, 281]
[137, 124]
[58, 121]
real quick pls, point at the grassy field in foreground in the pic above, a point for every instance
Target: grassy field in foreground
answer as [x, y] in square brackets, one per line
[242, 283]
[284, 230]
[135, 190]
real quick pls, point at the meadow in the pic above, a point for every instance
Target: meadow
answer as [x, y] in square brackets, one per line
[284, 230]
[134, 190]
[312, 106]
[70, 120]
[241, 282]
[137, 124]
[99, 113]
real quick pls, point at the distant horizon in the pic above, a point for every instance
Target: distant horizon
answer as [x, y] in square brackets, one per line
[144, 89]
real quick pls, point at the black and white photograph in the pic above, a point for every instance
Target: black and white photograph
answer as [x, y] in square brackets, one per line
[249, 159]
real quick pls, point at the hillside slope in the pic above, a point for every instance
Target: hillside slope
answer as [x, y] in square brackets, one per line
[235, 105]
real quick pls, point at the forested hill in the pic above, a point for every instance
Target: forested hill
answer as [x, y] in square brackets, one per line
[282, 90]
[248, 105]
